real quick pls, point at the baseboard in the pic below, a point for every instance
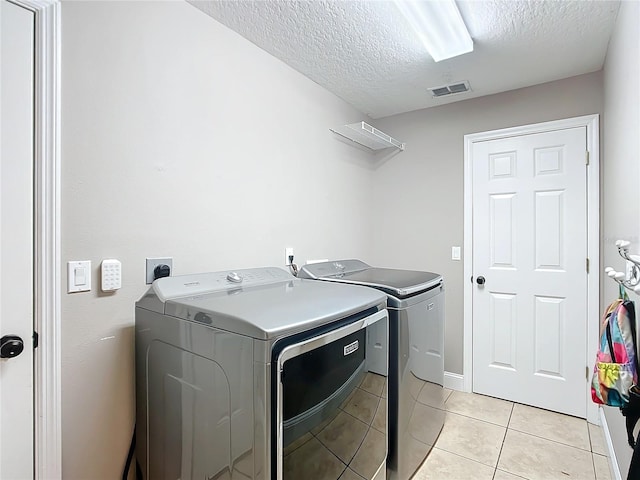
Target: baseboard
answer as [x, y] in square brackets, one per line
[454, 381]
[613, 461]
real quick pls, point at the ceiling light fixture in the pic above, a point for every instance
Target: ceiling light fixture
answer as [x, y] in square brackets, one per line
[439, 25]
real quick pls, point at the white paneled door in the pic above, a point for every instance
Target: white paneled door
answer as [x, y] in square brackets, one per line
[16, 241]
[529, 269]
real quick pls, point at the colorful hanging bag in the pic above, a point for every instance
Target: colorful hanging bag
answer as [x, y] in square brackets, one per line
[615, 370]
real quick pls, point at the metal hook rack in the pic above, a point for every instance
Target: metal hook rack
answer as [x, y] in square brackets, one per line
[631, 279]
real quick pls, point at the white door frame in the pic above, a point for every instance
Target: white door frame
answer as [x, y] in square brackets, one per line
[47, 391]
[591, 122]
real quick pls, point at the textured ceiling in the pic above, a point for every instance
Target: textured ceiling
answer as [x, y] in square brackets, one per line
[365, 52]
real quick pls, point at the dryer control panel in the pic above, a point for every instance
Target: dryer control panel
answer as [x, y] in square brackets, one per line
[200, 283]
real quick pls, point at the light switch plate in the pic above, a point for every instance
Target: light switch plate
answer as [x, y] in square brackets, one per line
[455, 253]
[79, 276]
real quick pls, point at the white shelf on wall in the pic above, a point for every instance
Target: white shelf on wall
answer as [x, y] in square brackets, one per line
[368, 136]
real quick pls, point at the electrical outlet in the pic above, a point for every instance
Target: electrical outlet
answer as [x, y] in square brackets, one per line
[152, 263]
[288, 252]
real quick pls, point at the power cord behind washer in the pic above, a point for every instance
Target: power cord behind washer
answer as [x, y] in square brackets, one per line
[293, 267]
[127, 465]
[160, 271]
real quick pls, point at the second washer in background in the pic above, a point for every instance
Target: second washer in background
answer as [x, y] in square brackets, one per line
[415, 301]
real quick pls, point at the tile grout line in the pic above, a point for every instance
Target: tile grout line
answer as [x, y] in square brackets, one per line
[512, 474]
[550, 440]
[506, 430]
[593, 460]
[513, 407]
[599, 429]
[457, 455]
[472, 418]
[444, 402]
[478, 419]
[593, 464]
[590, 449]
[494, 467]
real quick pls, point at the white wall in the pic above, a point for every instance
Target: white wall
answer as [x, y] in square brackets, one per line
[181, 138]
[419, 193]
[621, 170]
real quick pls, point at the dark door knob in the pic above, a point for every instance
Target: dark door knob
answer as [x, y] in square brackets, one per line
[480, 280]
[11, 346]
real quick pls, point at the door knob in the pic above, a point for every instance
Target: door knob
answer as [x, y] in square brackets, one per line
[480, 280]
[11, 346]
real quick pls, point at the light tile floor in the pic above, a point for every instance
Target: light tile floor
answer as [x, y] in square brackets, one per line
[486, 438]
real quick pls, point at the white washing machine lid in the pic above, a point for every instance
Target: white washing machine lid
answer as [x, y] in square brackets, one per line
[262, 303]
[400, 283]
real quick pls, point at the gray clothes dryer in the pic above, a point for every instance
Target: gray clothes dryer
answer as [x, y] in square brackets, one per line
[415, 301]
[255, 374]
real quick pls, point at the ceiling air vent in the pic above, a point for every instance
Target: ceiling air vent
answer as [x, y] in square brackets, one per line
[450, 89]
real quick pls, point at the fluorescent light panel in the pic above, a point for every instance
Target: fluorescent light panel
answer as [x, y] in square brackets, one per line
[439, 25]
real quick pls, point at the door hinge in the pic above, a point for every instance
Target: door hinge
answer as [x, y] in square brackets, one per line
[586, 372]
[36, 339]
[587, 159]
[587, 265]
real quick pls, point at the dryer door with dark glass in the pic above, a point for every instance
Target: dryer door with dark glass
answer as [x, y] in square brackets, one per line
[331, 408]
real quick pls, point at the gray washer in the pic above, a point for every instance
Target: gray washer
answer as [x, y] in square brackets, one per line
[415, 301]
